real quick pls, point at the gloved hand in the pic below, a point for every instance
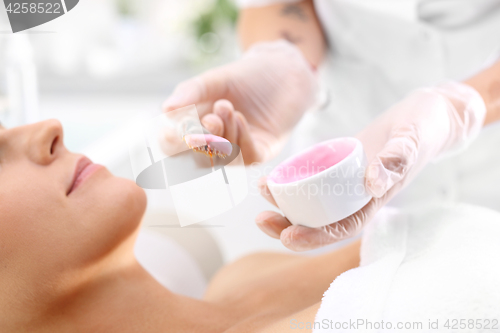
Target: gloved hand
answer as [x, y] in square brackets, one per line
[429, 123]
[271, 87]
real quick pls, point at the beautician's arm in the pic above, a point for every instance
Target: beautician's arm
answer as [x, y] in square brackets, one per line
[295, 22]
[487, 83]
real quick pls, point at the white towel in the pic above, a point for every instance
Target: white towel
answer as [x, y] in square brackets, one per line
[436, 270]
[169, 263]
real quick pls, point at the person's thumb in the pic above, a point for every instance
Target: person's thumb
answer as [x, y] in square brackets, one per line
[207, 87]
[394, 161]
[299, 238]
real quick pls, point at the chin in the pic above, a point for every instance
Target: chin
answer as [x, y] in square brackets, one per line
[130, 202]
[112, 212]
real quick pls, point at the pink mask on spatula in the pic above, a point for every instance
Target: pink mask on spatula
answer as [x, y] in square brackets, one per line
[209, 144]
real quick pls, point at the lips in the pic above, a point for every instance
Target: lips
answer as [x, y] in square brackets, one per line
[83, 170]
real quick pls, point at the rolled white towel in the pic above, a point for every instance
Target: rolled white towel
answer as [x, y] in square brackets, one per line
[433, 270]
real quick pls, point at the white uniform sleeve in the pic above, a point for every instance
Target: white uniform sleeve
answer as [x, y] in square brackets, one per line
[261, 3]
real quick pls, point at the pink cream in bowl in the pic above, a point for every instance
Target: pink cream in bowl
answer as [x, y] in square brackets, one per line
[314, 160]
[323, 184]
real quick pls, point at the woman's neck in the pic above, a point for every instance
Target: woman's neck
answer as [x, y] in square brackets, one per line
[122, 299]
[133, 301]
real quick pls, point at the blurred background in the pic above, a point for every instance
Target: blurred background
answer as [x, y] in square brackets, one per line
[110, 58]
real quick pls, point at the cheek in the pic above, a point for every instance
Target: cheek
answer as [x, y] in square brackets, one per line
[31, 209]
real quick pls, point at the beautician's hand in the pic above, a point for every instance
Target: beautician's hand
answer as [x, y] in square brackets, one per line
[271, 87]
[429, 123]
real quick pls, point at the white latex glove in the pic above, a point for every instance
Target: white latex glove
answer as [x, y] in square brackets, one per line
[429, 123]
[271, 87]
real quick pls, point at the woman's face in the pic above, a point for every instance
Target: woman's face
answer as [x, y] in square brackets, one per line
[58, 211]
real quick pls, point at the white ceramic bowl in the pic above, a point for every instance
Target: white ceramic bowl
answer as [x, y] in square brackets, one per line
[315, 193]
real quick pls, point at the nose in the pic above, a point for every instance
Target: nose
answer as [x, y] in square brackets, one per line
[46, 142]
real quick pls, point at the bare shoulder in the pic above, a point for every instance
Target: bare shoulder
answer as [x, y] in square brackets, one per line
[244, 272]
[302, 320]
